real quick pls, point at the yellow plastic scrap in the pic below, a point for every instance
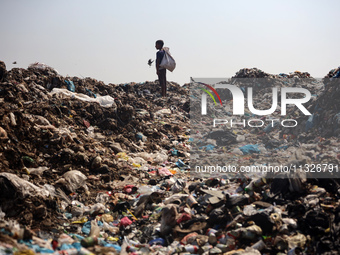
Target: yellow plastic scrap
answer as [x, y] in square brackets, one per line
[136, 165]
[113, 239]
[24, 252]
[133, 216]
[107, 217]
[27, 171]
[81, 221]
[122, 155]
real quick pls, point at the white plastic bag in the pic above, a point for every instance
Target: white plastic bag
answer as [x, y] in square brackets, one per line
[73, 180]
[42, 66]
[24, 188]
[104, 101]
[168, 62]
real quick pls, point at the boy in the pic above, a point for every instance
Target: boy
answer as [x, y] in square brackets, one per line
[161, 72]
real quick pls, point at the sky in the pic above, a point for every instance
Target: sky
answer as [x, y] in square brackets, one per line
[112, 40]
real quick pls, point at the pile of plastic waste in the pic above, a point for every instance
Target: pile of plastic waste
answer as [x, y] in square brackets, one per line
[94, 168]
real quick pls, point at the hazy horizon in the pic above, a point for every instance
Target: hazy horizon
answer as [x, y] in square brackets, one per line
[112, 41]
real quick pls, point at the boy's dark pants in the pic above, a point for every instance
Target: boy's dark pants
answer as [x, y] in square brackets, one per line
[162, 81]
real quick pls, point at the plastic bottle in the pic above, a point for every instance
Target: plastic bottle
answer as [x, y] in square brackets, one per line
[255, 184]
[191, 201]
[187, 248]
[211, 231]
[223, 247]
[191, 248]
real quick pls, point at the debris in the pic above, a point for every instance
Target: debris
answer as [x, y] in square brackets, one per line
[107, 169]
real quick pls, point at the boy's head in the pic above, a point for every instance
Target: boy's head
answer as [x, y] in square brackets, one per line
[159, 44]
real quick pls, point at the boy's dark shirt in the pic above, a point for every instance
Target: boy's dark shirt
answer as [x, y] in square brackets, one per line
[159, 57]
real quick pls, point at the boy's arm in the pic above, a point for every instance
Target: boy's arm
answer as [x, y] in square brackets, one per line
[157, 62]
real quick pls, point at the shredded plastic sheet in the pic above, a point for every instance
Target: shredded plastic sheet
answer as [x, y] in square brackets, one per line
[25, 188]
[163, 112]
[104, 101]
[159, 157]
[42, 66]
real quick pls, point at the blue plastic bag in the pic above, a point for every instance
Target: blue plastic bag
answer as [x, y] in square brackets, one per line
[309, 123]
[70, 86]
[250, 148]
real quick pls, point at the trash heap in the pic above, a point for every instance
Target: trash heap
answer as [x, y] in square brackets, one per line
[268, 146]
[251, 73]
[94, 168]
[274, 141]
[325, 119]
[334, 73]
[257, 73]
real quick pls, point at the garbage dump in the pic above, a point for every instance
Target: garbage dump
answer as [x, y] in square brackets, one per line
[94, 168]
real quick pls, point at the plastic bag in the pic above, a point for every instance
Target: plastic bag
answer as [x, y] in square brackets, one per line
[104, 101]
[42, 66]
[146, 190]
[95, 230]
[159, 157]
[250, 148]
[77, 211]
[37, 171]
[73, 180]
[108, 227]
[70, 86]
[168, 62]
[24, 188]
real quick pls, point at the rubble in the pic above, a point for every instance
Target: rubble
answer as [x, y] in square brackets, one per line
[326, 111]
[94, 168]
